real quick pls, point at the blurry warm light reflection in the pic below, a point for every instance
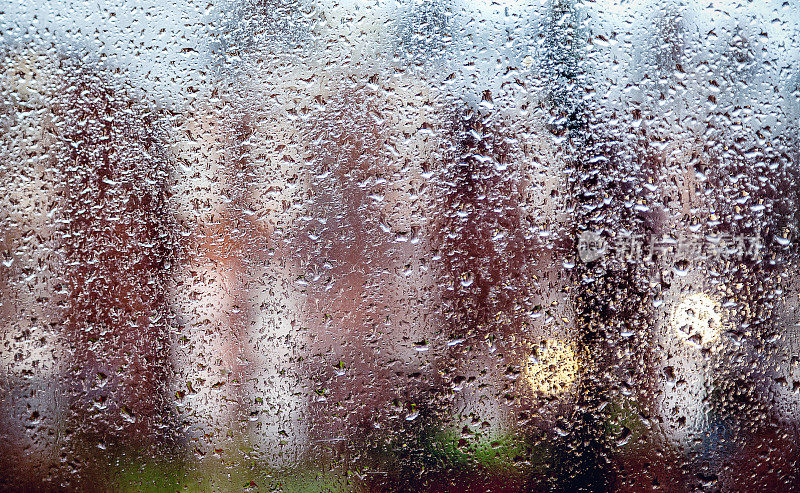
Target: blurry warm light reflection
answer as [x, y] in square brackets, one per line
[697, 320]
[552, 368]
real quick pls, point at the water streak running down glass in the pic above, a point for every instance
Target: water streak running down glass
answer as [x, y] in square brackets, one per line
[406, 245]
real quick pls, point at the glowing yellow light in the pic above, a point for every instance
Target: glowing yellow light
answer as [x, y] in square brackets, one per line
[697, 320]
[553, 369]
[527, 62]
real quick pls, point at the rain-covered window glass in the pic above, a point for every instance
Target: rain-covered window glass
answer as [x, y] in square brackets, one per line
[401, 245]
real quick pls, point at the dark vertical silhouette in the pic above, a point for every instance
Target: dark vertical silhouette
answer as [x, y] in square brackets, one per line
[117, 247]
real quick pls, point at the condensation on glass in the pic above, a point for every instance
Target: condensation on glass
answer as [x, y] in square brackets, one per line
[405, 245]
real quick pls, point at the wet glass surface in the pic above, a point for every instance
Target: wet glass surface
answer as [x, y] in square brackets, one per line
[428, 245]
